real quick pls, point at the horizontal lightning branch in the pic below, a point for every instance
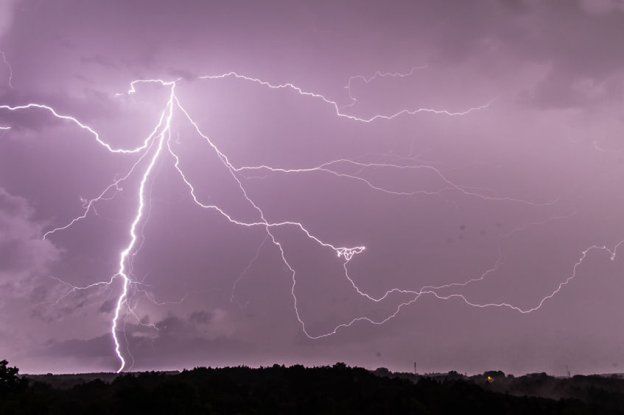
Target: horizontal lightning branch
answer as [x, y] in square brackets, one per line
[449, 185]
[338, 111]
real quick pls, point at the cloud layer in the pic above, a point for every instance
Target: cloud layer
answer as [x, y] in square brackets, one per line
[522, 187]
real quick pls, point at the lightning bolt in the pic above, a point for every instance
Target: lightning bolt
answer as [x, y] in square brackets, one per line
[328, 168]
[337, 109]
[123, 257]
[159, 143]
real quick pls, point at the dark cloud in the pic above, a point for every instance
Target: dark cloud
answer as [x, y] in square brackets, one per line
[23, 253]
[185, 340]
[107, 307]
[97, 347]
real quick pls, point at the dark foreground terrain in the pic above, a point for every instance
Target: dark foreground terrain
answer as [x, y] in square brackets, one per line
[297, 390]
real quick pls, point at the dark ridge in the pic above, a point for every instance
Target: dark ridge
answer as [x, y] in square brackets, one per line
[338, 389]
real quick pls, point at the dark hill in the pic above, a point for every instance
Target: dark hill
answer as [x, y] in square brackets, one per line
[297, 390]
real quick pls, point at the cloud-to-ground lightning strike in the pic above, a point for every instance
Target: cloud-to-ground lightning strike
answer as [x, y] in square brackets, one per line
[159, 143]
[123, 257]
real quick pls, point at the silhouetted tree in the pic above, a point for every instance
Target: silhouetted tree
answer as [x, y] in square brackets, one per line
[9, 379]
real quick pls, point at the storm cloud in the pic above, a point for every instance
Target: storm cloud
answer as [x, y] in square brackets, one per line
[520, 188]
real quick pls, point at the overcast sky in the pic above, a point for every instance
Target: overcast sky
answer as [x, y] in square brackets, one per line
[515, 190]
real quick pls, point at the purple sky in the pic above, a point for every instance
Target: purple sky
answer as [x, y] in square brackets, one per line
[520, 188]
